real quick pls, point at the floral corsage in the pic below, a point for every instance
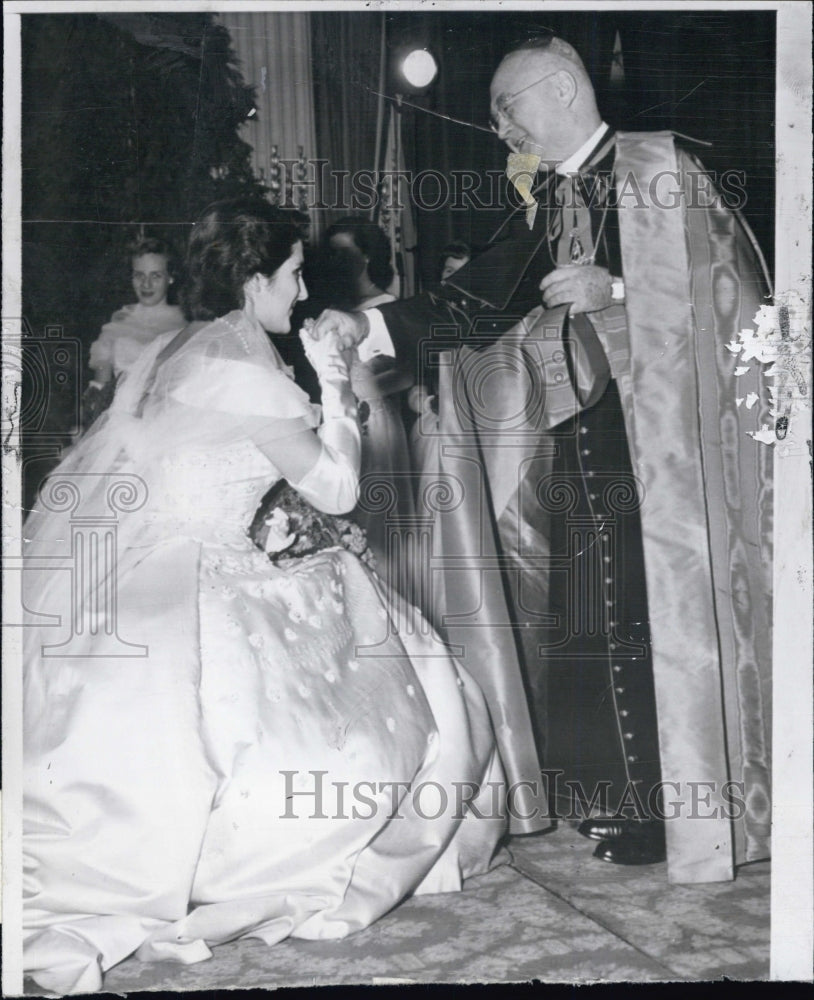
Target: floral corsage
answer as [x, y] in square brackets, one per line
[287, 527]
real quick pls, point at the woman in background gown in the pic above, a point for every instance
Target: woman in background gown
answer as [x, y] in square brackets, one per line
[134, 326]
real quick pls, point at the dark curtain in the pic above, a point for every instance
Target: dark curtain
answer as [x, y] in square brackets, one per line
[346, 54]
[710, 76]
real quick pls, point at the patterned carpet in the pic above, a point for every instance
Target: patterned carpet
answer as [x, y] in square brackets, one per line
[554, 914]
[698, 932]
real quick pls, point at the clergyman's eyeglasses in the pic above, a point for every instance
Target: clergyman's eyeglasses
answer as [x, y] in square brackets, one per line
[504, 101]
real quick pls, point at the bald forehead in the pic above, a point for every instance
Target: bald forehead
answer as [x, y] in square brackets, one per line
[523, 66]
[520, 68]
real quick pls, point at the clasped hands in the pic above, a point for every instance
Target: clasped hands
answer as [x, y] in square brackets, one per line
[586, 287]
[329, 342]
[349, 328]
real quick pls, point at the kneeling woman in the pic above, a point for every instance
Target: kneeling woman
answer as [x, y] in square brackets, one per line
[216, 745]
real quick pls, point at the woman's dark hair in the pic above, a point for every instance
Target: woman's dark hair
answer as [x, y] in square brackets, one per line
[163, 248]
[373, 243]
[458, 250]
[232, 241]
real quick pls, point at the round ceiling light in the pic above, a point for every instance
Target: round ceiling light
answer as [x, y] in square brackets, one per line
[419, 68]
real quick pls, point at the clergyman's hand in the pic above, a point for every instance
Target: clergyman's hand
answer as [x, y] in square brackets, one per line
[350, 328]
[586, 286]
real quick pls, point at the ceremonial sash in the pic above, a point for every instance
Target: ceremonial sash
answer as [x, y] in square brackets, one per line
[691, 283]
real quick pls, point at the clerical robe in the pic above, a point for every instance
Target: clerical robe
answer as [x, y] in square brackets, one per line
[692, 282]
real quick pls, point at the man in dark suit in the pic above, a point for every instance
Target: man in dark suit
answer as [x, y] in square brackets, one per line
[591, 692]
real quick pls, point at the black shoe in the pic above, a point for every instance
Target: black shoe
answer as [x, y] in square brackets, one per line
[610, 828]
[641, 844]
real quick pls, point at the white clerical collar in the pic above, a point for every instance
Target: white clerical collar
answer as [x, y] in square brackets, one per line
[579, 158]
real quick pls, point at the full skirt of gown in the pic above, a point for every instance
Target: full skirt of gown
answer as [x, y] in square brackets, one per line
[272, 754]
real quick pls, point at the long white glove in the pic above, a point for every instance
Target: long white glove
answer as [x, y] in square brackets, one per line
[332, 483]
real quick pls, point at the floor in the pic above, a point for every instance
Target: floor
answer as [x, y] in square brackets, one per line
[551, 913]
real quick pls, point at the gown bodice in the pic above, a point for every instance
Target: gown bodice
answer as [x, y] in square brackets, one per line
[194, 420]
[210, 494]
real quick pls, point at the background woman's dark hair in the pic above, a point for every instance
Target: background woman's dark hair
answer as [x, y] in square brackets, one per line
[457, 249]
[165, 249]
[373, 243]
[230, 242]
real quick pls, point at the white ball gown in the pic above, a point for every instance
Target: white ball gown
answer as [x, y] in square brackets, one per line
[218, 746]
[130, 330]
